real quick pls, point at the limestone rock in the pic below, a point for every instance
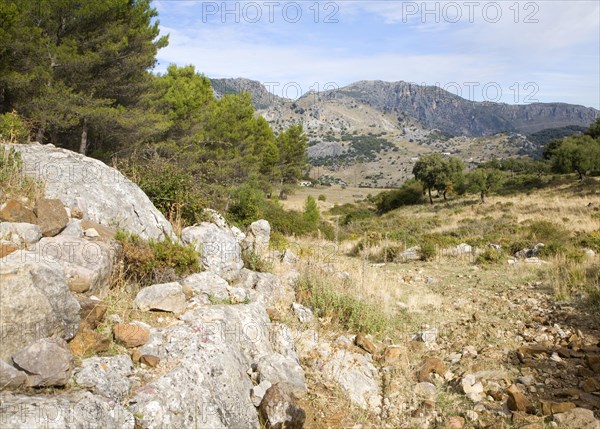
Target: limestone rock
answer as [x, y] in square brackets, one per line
[104, 194]
[357, 376]
[257, 237]
[48, 362]
[51, 216]
[35, 303]
[219, 250]
[207, 283]
[21, 234]
[106, 376]
[73, 410]
[304, 314]
[10, 377]
[87, 265]
[580, 418]
[163, 297]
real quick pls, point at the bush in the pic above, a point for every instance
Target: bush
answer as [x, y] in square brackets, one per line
[322, 197]
[148, 262]
[13, 129]
[490, 256]
[255, 262]
[428, 250]
[410, 193]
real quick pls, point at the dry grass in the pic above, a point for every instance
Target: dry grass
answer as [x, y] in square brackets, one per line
[13, 184]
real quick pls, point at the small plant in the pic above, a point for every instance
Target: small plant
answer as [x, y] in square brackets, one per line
[428, 250]
[255, 262]
[13, 129]
[148, 262]
[490, 256]
[322, 197]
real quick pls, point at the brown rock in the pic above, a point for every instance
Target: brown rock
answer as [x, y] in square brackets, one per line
[415, 346]
[392, 354]
[136, 355]
[92, 310]
[274, 314]
[593, 362]
[364, 343]
[430, 365]
[188, 291]
[455, 422]
[591, 385]
[78, 284]
[130, 335]
[14, 211]
[76, 213]
[550, 407]
[6, 248]
[517, 401]
[589, 400]
[88, 342]
[150, 360]
[279, 409]
[103, 231]
[52, 216]
[534, 349]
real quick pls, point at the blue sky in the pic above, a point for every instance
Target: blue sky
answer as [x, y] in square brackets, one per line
[509, 51]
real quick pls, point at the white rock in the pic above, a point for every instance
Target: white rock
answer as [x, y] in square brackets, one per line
[304, 315]
[107, 196]
[164, 297]
[258, 392]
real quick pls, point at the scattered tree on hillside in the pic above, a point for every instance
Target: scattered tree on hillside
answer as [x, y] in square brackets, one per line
[579, 154]
[484, 181]
[439, 173]
[311, 212]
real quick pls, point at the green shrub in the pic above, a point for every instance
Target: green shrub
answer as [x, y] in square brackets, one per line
[13, 129]
[255, 262]
[410, 193]
[428, 250]
[322, 197]
[148, 262]
[490, 256]
[278, 241]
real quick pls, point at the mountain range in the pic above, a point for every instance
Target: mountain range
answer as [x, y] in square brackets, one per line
[369, 133]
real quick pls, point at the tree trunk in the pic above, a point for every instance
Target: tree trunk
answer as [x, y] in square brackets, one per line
[444, 194]
[39, 135]
[430, 199]
[482, 195]
[84, 132]
[581, 175]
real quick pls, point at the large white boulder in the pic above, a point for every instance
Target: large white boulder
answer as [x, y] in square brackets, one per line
[103, 194]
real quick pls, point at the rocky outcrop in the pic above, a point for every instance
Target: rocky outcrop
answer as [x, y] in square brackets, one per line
[211, 354]
[218, 247]
[74, 410]
[35, 303]
[100, 192]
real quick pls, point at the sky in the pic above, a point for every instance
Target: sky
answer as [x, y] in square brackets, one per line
[516, 52]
